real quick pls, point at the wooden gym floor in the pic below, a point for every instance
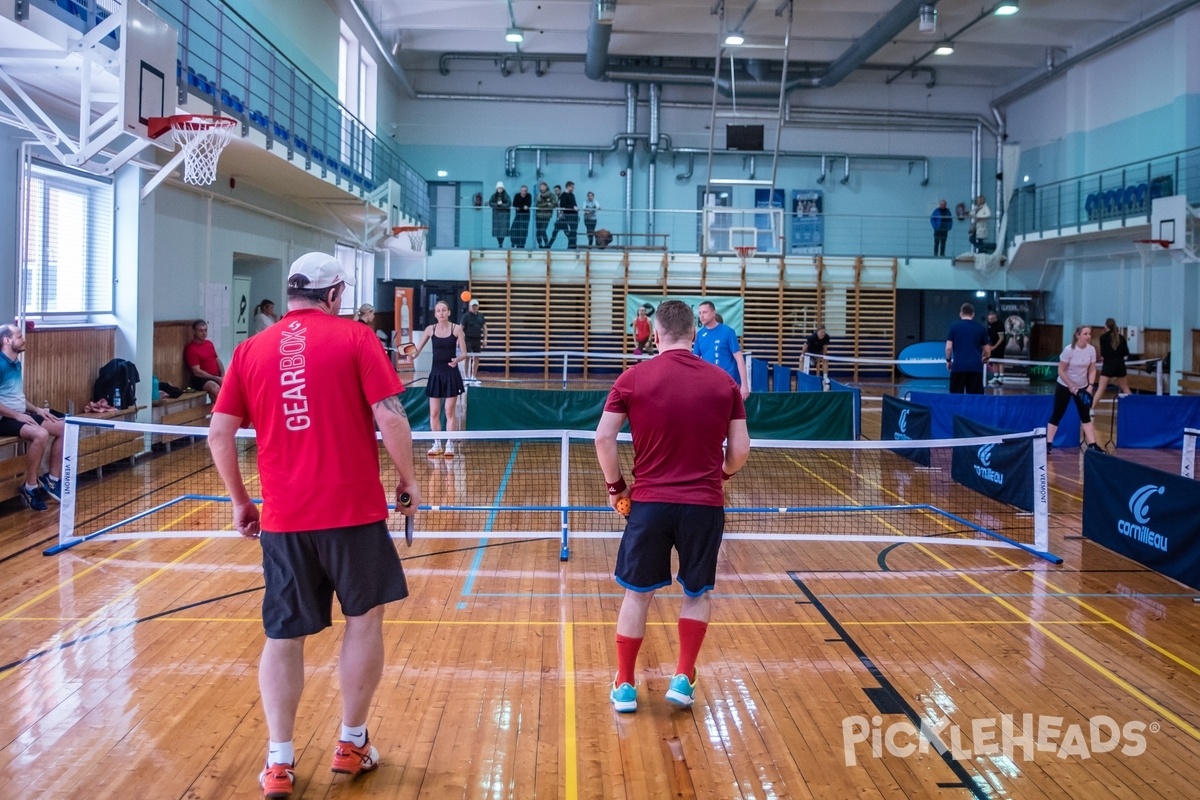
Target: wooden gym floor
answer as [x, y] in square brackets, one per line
[128, 670]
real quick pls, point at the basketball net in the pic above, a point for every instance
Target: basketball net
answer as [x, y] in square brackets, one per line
[745, 253]
[415, 234]
[202, 140]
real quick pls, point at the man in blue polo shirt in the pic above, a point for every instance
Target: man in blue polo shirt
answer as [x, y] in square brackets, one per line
[967, 350]
[717, 343]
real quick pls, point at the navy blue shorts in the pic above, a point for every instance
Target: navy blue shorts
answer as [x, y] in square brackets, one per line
[304, 570]
[644, 558]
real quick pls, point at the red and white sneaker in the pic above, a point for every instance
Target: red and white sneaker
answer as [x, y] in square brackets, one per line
[277, 780]
[351, 760]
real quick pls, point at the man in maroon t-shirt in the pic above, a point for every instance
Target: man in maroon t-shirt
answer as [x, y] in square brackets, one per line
[201, 357]
[314, 386]
[680, 409]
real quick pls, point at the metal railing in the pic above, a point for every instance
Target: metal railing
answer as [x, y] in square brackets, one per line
[1112, 196]
[226, 62]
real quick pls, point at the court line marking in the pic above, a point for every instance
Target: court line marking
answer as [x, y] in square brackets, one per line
[1117, 680]
[469, 584]
[603, 623]
[63, 584]
[1106, 618]
[571, 746]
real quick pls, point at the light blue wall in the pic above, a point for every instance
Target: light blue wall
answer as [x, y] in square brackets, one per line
[306, 31]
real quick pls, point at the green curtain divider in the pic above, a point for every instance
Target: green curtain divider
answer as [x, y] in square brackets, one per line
[797, 416]
[416, 405]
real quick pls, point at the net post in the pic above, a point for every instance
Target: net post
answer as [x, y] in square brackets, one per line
[1188, 466]
[565, 357]
[564, 471]
[69, 486]
[1041, 493]
[1158, 378]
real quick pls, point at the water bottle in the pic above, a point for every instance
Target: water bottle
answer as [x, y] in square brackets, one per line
[117, 397]
[153, 388]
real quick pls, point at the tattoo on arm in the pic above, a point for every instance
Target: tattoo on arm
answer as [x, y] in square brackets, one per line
[394, 405]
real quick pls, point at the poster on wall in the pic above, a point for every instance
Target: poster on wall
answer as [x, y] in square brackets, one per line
[1016, 314]
[765, 240]
[808, 224]
[730, 309]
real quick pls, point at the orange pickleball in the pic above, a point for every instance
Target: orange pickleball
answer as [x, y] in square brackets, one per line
[465, 297]
[624, 505]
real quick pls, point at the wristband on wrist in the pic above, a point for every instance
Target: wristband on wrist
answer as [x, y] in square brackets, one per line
[725, 475]
[618, 486]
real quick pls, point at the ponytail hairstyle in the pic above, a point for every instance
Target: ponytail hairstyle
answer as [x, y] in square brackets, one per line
[1112, 334]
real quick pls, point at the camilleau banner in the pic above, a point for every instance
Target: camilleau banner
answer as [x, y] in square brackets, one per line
[1146, 514]
[1001, 471]
[904, 420]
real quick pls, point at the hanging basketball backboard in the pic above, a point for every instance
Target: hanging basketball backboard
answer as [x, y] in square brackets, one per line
[149, 51]
[1168, 220]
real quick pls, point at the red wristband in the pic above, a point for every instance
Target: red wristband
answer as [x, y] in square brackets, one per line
[617, 487]
[725, 475]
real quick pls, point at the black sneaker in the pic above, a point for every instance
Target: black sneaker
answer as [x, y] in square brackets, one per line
[1096, 447]
[32, 498]
[1049, 447]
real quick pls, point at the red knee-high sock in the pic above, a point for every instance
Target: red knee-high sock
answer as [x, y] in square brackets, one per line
[691, 637]
[627, 653]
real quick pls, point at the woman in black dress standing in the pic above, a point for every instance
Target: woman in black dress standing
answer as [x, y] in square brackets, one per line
[1113, 352]
[445, 382]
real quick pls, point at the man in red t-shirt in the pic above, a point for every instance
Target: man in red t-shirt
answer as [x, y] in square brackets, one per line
[314, 386]
[680, 409]
[201, 357]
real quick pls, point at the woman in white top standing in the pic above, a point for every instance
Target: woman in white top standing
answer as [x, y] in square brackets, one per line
[264, 316]
[1076, 381]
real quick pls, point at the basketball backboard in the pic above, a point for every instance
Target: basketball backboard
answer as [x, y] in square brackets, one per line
[1168, 220]
[149, 55]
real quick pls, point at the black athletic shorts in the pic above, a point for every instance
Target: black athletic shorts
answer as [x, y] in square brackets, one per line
[644, 558]
[474, 343]
[304, 570]
[966, 383]
[198, 383]
[12, 427]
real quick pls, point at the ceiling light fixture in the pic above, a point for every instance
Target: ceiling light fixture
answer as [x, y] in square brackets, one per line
[927, 21]
[514, 35]
[606, 11]
[1007, 8]
[944, 49]
[734, 38]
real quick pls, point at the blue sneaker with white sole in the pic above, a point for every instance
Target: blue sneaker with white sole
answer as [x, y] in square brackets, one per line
[682, 691]
[624, 698]
[51, 486]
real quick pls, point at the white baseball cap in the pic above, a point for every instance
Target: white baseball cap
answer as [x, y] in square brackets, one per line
[322, 271]
[474, 302]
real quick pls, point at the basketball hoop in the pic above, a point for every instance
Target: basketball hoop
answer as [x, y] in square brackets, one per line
[202, 138]
[414, 234]
[745, 253]
[1148, 247]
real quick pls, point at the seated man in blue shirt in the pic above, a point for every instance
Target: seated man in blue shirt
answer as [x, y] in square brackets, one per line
[40, 427]
[717, 343]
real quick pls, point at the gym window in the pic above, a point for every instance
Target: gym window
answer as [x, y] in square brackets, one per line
[68, 270]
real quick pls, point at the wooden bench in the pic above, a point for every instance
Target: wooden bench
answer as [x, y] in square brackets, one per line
[190, 408]
[1189, 383]
[97, 448]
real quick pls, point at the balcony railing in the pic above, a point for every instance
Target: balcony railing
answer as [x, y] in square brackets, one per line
[226, 62]
[1108, 197]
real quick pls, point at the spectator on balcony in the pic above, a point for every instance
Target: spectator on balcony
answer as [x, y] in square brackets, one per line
[590, 207]
[522, 202]
[942, 221]
[546, 202]
[980, 216]
[500, 203]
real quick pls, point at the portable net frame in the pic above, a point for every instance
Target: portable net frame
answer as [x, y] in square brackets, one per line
[1187, 466]
[548, 484]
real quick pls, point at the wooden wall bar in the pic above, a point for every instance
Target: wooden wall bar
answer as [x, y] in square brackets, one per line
[61, 364]
[169, 338]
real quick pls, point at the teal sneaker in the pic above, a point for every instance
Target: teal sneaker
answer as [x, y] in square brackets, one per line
[51, 486]
[624, 698]
[682, 692]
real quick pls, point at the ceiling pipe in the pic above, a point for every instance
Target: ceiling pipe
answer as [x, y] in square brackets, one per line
[598, 34]
[510, 154]
[652, 168]
[385, 52]
[503, 59]
[1040, 80]
[903, 14]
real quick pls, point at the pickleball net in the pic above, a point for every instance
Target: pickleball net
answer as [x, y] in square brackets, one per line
[984, 491]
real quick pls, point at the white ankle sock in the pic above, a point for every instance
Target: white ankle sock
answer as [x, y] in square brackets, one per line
[355, 736]
[280, 753]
